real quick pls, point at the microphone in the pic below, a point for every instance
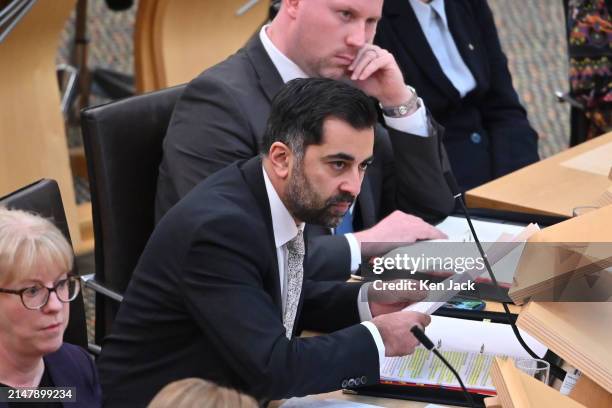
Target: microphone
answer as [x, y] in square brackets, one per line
[458, 195]
[429, 345]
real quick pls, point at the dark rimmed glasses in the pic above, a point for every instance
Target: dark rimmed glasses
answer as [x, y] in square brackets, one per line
[36, 297]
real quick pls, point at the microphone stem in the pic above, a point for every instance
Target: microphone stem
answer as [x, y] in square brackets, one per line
[557, 371]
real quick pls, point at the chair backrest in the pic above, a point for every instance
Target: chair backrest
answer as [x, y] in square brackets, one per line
[43, 197]
[123, 147]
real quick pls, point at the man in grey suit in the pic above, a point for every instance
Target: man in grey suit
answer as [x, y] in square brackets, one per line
[222, 114]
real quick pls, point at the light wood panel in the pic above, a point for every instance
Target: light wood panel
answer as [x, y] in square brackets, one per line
[559, 254]
[577, 332]
[86, 245]
[546, 187]
[516, 389]
[175, 40]
[144, 67]
[196, 34]
[32, 133]
[591, 395]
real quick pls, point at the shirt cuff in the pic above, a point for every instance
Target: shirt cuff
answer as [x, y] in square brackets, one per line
[355, 249]
[365, 315]
[380, 346]
[363, 306]
[415, 124]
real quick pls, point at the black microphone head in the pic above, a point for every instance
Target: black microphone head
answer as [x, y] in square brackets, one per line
[422, 337]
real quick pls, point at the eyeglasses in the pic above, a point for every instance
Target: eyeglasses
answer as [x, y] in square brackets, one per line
[36, 297]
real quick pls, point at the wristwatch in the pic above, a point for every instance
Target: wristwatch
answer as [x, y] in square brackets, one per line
[408, 107]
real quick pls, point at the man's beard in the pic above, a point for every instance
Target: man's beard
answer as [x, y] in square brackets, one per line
[305, 204]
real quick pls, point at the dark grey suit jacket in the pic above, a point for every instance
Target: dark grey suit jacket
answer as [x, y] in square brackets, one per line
[221, 118]
[205, 302]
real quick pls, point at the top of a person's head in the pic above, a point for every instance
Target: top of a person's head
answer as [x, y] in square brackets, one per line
[198, 393]
[300, 108]
[26, 240]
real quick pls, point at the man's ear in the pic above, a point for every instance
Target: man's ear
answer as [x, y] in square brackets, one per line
[281, 158]
[291, 7]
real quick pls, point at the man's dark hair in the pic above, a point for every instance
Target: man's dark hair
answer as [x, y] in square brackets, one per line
[302, 105]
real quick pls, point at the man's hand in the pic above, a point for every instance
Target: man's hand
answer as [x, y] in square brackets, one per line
[375, 72]
[389, 301]
[396, 229]
[394, 328]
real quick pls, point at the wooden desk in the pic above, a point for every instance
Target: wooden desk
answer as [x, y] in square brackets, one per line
[546, 187]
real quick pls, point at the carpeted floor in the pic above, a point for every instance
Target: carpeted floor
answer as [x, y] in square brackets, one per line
[531, 31]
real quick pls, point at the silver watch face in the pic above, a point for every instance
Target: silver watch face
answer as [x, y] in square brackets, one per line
[402, 110]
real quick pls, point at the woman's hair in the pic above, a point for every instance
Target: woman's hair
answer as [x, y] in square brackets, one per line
[28, 240]
[198, 393]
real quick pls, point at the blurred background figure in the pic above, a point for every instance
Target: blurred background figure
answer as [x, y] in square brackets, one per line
[35, 289]
[589, 37]
[198, 393]
[450, 52]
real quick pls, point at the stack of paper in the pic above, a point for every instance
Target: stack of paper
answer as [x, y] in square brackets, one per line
[458, 230]
[469, 346]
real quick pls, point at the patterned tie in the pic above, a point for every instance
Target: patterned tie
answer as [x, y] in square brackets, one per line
[295, 276]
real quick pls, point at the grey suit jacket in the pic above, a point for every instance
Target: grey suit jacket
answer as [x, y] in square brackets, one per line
[221, 118]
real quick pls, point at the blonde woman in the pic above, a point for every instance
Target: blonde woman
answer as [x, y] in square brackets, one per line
[198, 393]
[35, 289]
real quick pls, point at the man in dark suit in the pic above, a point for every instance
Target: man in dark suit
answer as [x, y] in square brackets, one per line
[220, 291]
[221, 118]
[450, 52]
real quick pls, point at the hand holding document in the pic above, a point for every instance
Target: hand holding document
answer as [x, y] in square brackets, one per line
[508, 239]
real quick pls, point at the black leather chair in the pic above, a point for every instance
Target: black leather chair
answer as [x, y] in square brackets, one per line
[43, 197]
[123, 147]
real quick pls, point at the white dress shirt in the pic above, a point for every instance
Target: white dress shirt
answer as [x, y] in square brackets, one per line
[432, 18]
[285, 230]
[414, 124]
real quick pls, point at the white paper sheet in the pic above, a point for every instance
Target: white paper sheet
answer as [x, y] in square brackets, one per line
[469, 345]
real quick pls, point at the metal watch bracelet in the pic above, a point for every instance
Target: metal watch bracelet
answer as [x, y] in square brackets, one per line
[404, 109]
